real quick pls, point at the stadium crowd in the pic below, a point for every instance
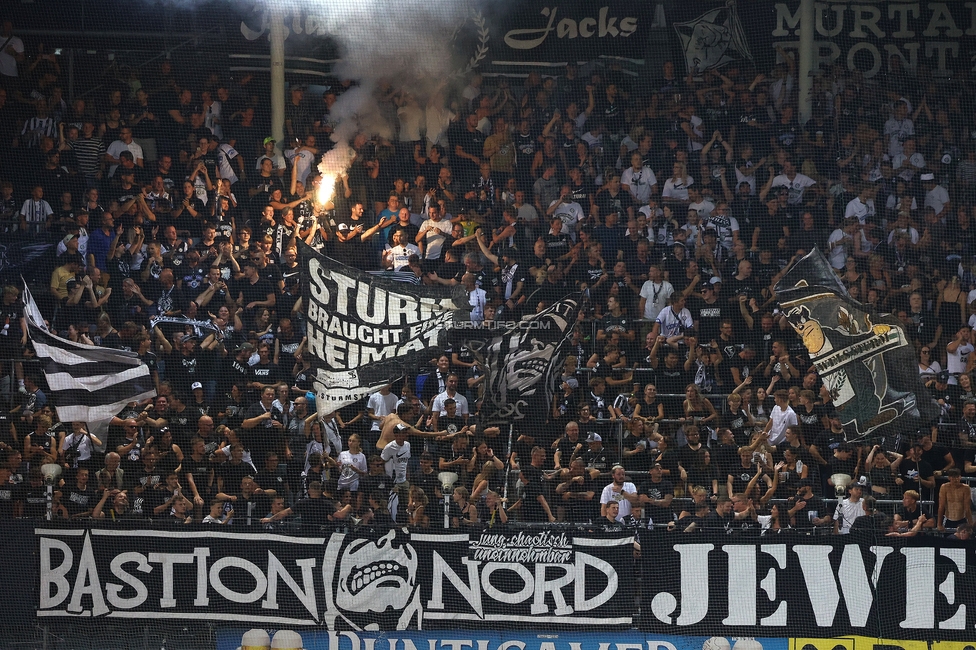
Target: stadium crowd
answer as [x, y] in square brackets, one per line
[673, 203]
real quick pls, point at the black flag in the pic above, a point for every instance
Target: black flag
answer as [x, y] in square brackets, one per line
[524, 360]
[366, 331]
[863, 358]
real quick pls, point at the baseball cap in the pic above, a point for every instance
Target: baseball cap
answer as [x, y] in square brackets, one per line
[715, 280]
[593, 436]
[245, 347]
[195, 385]
[927, 177]
[706, 285]
[268, 139]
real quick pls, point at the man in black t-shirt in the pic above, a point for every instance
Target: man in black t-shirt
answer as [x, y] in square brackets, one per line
[806, 510]
[657, 495]
[80, 499]
[578, 495]
[317, 510]
[250, 503]
[535, 504]
[263, 428]
[254, 291]
[913, 473]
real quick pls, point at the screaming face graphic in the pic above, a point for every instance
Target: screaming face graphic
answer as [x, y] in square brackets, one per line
[377, 575]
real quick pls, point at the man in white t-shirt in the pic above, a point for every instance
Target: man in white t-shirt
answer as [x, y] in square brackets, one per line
[639, 180]
[11, 51]
[958, 351]
[437, 408]
[303, 156]
[701, 205]
[898, 128]
[124, 143]
[793, 181]
[936, 196]
[397, 455]
[397, 256]
[840, 244]
[861, 207]
[620, 491]
[379, 405]
[726, 226]
[655, 293]
[673, 320]
[433, 233]
[569, 211]
[225, 154]
[908, 162]
[781, 417]
[849, 509]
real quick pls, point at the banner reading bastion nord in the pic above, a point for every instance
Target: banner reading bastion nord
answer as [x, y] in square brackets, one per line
[702, 585]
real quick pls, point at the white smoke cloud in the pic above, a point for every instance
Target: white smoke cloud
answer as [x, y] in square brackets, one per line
[398, 44]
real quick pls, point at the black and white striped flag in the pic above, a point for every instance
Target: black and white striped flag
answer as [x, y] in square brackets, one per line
[88, 383]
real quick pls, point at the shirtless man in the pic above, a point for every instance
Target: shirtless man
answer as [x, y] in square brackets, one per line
[955, 502]
[389, 424]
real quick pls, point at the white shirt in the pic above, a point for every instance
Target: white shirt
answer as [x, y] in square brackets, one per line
[225, 154]
[437, 405]
[381, 404]
[898, 131]
[400, 255]
[656, 296]
[956, 361]
[859, 209]
[672, 324]
[781, 418]
[396, 458]
[609, 495]
[639, 183]
[937, 197]
[478, 299]
[677, 189]
[571, 214]
[435, 232]
[703, 208]
[8, 64]
[348, 479]
[846, 512]
[118, 147]
[838, 254]
[908, 165]
[796, 186]
[277, 161]
[303, 161]
[36, 211]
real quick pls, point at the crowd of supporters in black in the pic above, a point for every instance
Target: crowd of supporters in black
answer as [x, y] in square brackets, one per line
[673, 203]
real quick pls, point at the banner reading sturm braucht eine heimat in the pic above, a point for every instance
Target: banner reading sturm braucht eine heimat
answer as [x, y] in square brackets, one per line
[364, 331]
[394, 580]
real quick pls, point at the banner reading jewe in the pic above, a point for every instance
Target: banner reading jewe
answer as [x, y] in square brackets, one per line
[365, 331]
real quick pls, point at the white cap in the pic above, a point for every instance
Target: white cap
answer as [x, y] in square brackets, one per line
[927, 177]
[195, 385]
[287, 640]
[255, 640]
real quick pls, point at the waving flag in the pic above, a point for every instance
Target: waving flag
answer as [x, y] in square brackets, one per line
[88, 383]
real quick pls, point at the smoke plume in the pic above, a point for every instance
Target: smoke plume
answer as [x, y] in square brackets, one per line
[384, 44]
